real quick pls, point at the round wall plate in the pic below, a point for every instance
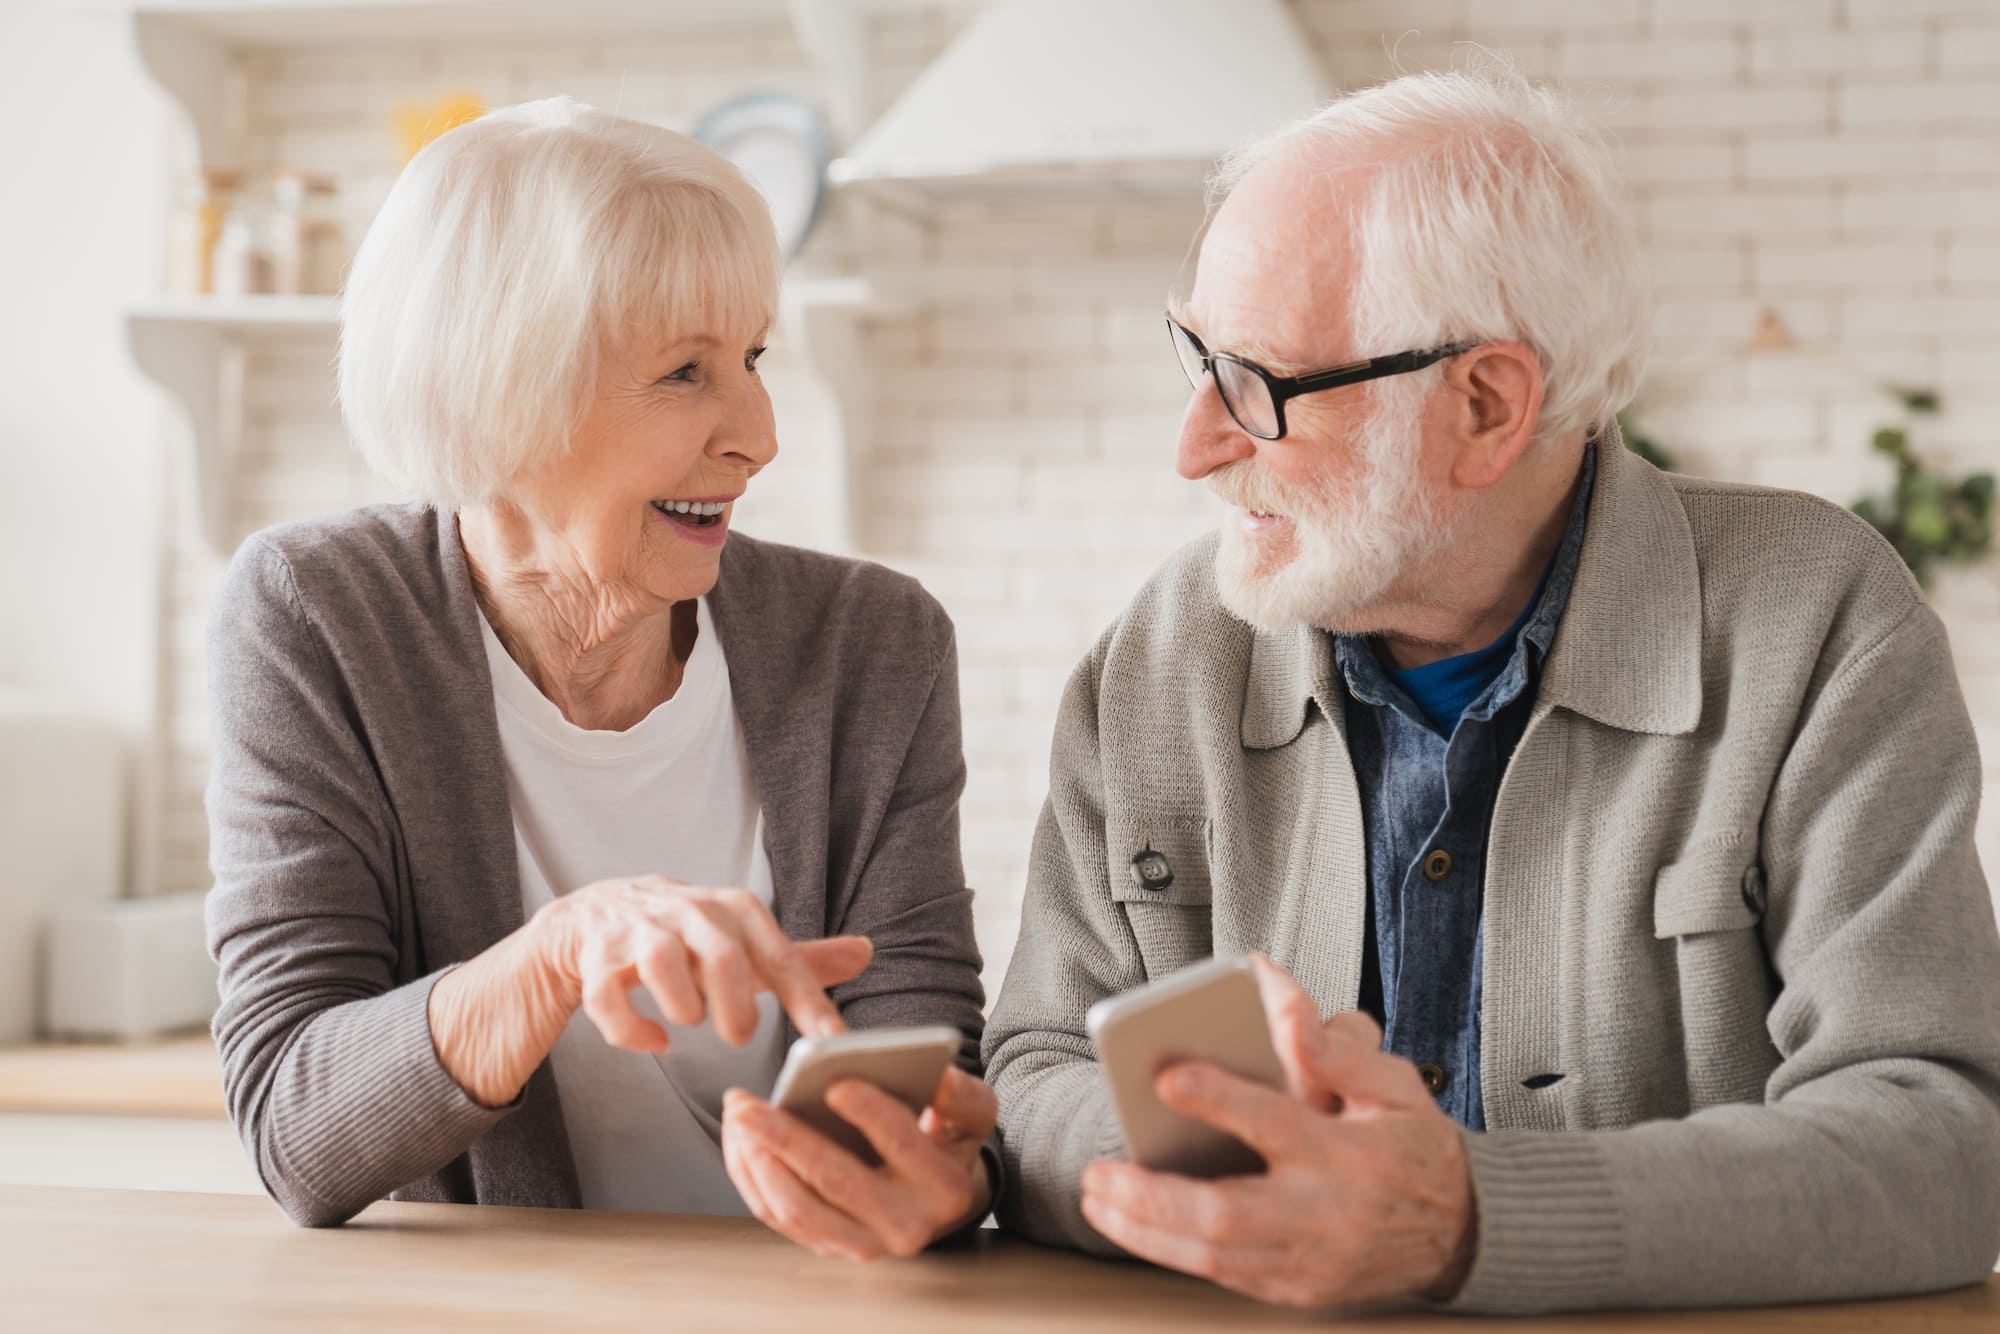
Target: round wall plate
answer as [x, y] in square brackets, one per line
[782, 145]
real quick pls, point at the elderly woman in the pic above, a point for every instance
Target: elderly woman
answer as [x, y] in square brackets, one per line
[545, 810]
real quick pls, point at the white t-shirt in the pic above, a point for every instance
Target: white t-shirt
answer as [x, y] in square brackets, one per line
[671, 795]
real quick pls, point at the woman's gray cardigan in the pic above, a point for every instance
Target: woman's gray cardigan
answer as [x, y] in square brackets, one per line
[362, 841]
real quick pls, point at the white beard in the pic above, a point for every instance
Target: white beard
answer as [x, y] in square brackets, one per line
[1349, 549]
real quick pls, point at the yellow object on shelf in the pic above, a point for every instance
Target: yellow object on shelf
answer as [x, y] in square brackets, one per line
[417, 123]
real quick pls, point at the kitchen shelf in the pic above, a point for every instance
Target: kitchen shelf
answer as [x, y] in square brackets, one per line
[243, 314]
[281, 23]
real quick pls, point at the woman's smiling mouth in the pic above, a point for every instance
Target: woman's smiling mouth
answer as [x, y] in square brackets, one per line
[704, 519]
[694, 513]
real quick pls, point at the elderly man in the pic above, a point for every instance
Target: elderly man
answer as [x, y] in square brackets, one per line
[1622, 821]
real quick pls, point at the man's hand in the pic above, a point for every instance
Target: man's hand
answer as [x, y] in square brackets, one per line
[1366, 1195]
[805, 1186]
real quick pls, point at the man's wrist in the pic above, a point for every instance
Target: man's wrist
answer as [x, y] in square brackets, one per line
[1463, 1249]
[1458, 1268]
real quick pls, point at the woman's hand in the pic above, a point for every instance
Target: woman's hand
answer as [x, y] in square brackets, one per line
[697, 951]
[931, 1180]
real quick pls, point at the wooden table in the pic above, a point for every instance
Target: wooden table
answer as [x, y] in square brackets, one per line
[103, 1260]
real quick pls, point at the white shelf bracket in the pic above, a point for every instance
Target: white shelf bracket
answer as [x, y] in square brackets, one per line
[202, 370]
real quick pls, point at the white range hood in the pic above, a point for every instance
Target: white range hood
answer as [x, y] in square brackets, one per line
[1105, 95]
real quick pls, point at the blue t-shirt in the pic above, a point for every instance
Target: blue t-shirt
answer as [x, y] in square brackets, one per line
[1446, 688]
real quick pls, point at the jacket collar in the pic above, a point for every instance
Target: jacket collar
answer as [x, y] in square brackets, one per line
[1628, 650]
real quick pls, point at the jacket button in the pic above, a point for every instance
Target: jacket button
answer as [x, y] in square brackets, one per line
[1151, 870]
[1438, 864]
[1433, 1075]
[1754, 895]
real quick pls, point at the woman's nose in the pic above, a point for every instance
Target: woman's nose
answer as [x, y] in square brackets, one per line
[747, 430]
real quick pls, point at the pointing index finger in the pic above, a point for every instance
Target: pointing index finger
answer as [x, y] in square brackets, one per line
[788, 973]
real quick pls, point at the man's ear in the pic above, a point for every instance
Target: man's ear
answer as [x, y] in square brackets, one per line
[1497, 400]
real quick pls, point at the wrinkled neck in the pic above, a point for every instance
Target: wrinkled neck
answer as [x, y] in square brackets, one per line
[604, 653]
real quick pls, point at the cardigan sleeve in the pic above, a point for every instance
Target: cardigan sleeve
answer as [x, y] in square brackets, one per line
[328, 1068]
[1055, 1108]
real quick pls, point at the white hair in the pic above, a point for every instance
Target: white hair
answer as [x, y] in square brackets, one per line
[1487, 214]
[508, 253]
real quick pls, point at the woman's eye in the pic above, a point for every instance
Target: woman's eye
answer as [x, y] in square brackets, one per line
[750, 360]
[683, 375]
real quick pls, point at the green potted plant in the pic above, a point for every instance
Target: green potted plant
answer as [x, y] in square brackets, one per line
[1929, 517]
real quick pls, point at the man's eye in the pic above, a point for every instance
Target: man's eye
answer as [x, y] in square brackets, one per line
[750, 361]
[683, 375]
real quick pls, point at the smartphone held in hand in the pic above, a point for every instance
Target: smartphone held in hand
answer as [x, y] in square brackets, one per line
[1210, 1011]
[906, 1063]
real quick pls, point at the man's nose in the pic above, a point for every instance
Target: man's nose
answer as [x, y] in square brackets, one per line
[1210, 437]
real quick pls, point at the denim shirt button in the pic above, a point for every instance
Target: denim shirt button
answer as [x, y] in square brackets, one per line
[1438, 864]
[1433, 1076]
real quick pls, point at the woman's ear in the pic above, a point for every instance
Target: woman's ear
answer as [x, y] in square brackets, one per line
[1499, 388]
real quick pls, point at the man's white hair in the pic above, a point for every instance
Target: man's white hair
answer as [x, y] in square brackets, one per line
[510, 251]
[1486, 214]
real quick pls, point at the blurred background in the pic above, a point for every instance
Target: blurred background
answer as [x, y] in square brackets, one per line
[973, 384]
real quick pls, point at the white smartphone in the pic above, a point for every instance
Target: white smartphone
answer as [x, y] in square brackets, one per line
[908, 1064]
[1210, 1011]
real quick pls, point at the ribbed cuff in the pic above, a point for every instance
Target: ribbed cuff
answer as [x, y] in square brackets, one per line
[371, 1106]
[1551, 1236]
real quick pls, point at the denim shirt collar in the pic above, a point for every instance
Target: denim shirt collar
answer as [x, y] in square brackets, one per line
[1372, 684]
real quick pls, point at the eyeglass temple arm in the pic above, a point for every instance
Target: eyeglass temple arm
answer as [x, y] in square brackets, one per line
[1376, 367]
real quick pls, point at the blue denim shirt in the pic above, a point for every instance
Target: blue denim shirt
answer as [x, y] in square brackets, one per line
[1427, 805]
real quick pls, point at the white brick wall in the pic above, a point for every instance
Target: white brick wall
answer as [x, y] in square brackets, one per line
[1829, 158]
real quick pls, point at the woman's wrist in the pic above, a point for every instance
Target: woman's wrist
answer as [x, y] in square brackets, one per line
[494, 1017]
[982, 1199]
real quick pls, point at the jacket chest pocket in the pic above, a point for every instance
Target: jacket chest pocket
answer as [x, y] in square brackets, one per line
[1159, 879]
[1709, 904]
[1717, 885]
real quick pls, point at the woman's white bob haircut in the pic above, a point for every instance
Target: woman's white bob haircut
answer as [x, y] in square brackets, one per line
[1485, 212]
[510, 252]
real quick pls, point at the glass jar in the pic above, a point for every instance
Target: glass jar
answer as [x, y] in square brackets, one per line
[306, 249]
[241, 267]
[202, 200]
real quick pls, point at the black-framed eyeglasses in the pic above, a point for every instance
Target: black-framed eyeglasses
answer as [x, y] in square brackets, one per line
[1256, 398]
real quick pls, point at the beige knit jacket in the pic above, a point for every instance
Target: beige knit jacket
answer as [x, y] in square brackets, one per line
[1731, 900]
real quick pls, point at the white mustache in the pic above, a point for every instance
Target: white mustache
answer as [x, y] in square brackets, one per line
[1241, 485]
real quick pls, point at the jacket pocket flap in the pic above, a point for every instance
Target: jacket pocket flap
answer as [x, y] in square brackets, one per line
[1717, 885]
[1158, 862]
